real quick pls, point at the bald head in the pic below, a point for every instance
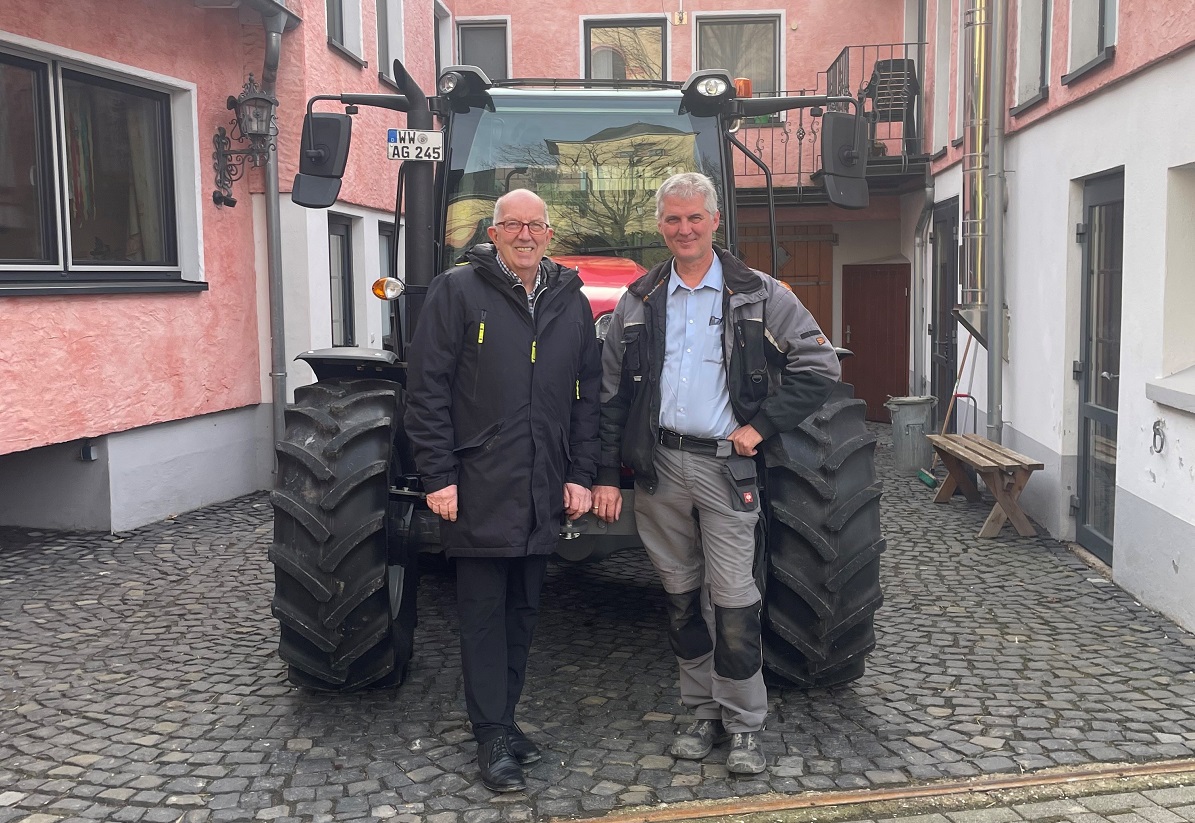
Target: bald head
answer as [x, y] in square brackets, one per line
[521, 199]
[520, 232]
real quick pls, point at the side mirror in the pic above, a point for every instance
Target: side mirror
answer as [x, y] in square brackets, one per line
[844, 160]
[322, 159]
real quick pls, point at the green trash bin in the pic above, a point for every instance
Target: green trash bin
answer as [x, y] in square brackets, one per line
[911, 421]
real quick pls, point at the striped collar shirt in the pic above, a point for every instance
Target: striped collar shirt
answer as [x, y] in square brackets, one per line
[540, 282]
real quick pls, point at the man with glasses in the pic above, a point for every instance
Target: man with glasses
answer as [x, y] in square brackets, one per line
[502, 413]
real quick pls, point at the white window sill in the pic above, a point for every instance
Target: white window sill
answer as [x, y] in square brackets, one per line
[1176, 390]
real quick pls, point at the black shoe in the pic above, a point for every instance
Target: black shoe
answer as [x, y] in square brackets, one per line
[521, 747]
[500, 772]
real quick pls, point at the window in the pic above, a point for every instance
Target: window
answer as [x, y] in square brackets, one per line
[1033, 50]
[744, 46]
[484, 45]
[344, 28]
[335, 10]
[625, 50]
[941, 131]
[443, 35]
[390, 33]
[340, 266]
[962, 62]
[1093, 33]
[387, 267]
[86, 177]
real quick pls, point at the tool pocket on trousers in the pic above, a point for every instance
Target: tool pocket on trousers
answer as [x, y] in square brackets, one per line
[744, 483]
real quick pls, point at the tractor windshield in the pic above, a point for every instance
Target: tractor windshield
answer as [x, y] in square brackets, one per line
[595, 157]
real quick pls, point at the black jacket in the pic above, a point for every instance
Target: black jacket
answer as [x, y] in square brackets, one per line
[780, 366]
[503, 405]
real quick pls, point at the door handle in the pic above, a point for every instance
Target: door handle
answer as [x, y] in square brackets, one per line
[1109, 376]
[848, 335]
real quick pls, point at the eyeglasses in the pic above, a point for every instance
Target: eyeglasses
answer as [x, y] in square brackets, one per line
[536, 227]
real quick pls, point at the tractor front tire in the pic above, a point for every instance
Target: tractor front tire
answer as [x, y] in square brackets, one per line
[822, 575]
[346, 609]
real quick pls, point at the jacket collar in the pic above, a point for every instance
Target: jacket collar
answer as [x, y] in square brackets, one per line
[484, 258]
[737, 277]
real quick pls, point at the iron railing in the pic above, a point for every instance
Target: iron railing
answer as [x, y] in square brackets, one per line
[884, 78]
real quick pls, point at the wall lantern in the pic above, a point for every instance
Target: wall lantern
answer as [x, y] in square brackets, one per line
[255, 123]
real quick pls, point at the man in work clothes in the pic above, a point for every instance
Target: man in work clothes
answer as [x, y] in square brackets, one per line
[502, 416]
[704, 359]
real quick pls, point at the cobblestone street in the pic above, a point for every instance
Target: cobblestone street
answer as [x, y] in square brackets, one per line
[139, 681]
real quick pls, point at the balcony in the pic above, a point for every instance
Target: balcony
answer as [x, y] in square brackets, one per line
[886, 81]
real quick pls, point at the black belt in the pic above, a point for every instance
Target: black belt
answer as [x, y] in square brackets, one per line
[688, 443]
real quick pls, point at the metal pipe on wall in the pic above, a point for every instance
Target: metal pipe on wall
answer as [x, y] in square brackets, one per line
[274, 24]
[920, 245]
[977, 109]
[995, 252]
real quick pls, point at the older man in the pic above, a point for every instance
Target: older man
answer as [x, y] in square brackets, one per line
[502, 416]
[705, 358]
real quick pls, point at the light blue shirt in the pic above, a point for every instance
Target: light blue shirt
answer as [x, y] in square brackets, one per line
[694, 398]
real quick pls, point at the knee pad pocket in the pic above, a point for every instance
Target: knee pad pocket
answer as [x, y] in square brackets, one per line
[687, 631]
[738, 654]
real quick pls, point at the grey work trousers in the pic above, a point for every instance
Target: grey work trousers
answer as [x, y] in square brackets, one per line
[718, 556]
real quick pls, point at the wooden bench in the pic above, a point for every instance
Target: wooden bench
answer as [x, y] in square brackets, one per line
[1004, 472]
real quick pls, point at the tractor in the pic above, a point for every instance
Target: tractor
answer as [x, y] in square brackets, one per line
[350, 521]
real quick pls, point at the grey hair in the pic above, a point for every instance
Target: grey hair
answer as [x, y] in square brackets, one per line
[687, 185]
[498, 205]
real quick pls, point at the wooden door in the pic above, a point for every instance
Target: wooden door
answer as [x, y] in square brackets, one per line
[875, 322]
[806, 264]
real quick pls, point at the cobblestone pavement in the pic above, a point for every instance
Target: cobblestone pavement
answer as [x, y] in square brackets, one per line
[139, 681]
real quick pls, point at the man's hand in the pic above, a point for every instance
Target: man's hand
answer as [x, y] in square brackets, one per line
[745, 439]
[577, 500]
[443, 502]
[607, 502]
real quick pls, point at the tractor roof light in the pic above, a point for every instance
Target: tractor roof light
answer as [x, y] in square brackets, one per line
[457, 82]
[706, 91]
[388, 288]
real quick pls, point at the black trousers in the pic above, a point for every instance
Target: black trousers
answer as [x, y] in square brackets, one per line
[498, 602]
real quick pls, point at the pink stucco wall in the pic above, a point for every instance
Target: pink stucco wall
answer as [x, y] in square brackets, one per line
[78, 366]
[1147, 32]
[549, 45]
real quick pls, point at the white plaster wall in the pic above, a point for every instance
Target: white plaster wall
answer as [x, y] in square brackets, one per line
[307, 299]
[157, 471]
[1047, 164]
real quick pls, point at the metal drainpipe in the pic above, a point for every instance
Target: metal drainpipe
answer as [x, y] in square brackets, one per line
[995, 210]
[920, 266]
[920, 247]
[274, 25]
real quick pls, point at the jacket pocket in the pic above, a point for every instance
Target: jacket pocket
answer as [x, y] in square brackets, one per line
[749, 341]
[483, 439]
[742, 473]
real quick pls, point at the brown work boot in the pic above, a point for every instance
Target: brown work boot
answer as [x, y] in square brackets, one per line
[698, 740]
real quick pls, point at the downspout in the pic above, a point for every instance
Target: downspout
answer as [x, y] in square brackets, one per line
[920, 267]
[921, 235]
[275, 24]
[996, 195]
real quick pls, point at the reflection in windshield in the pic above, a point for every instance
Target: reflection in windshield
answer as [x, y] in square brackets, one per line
[597, 169]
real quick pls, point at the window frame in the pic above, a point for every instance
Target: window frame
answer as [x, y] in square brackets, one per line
[59, 273]
[774, 17]
[342, 26]
[390, 36]
[465, 23]
[1045, 8]
[588, 24]
[341, 225]
[1105, 30]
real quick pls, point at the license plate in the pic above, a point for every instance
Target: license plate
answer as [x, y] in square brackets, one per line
[414, 144]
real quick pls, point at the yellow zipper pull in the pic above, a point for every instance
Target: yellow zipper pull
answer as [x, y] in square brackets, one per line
[532, 351]
[578, 389]
[480, 332]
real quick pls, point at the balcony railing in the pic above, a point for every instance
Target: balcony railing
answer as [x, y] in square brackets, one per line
[884, 79]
